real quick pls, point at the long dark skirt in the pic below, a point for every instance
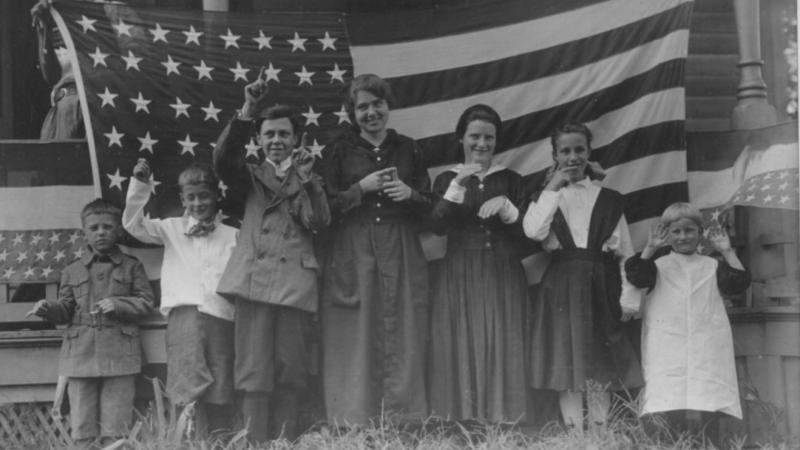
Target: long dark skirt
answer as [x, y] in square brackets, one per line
[577, 334]
[477, 368]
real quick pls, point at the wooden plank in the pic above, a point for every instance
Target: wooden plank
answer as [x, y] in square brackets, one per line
[712, 65]
[4, 293]
[712, 85]
[713, 43]
[791, 375]
[713, 22]
[709, 107]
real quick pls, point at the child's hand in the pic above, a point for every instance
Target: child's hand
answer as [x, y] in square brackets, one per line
[255, 94]
[560, 178]
[492, 206]
[141, 171]
[719, 239]
[105, 306]
[658, 236]
[303, 159]
[598, 173]
[397, 190]
[39, 309]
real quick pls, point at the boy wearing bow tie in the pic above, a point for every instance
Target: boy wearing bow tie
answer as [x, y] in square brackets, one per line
[199, 322]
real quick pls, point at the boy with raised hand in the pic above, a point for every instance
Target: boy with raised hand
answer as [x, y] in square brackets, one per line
[272, 274]
[101, 296]
[199, 322]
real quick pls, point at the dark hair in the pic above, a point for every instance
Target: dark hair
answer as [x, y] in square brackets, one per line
[478, 112]
[279, 112]
[100, 206]
[371, 83]
[569, 128]
[198, 173]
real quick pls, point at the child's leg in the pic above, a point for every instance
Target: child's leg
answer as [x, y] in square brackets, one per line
[84, 409]
[284, 414]
[218, 350]
[116, 406]
[598, 403]
[571, 404]
[255, 413]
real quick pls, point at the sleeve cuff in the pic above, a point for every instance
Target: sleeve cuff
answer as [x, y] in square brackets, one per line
[509, 213]
[455, 193]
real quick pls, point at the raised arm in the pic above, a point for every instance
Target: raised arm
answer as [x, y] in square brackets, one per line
[133, 219]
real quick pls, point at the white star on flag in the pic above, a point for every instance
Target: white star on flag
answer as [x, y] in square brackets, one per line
[54, 238]
[230, 39]
[252, 148]
[36, 238]
[192, 35]
[305, 76]
[47, 271]
[311, 116]
[9, 272]
[86, 23]
[180, 108]
[154, 183]
[187, 145]
[298, 43]
[327, 42]
[203, 70]
[131, 61]
[336, 73]
[147, 143]
[715, 215]
[108, 98]
[22, 256]
[271, 73]
[211, 111]
[4, 253]
[122, 28]
[159, 34]
[263, 41]
[316, 149]
[59, 255]
[342, 115]
[98, 57]
[79, 253]
[41, 255]
[239, 72]
[17, 239]
[171, 65]
[115, 180]
[29, 272]
[115, 137]
[141, 103]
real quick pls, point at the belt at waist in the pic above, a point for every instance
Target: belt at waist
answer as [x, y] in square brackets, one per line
[98, 320]
[583, 254]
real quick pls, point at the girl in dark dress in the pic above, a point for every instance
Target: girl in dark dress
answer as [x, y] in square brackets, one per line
[374, 308]
[577, 335]
[479, 289]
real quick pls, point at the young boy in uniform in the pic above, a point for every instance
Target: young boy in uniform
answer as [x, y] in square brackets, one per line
[199, 322]
[101, 296]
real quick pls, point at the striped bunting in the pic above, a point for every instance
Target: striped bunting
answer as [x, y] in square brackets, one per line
[617, 66]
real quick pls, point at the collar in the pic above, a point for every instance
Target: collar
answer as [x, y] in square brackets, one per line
[90, 256]
[492, 169]
[282, 168]
[355, 137]
[191, 221]
[585, 183]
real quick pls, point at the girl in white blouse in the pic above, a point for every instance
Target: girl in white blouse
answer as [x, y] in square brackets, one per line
[578, 338]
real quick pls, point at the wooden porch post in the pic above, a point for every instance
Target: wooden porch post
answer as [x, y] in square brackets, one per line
[767, 333]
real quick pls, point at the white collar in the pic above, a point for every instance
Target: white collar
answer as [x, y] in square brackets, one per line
[492, 169]
[584, 183]
[282, 168]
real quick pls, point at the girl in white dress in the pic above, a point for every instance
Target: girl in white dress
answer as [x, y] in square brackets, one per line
[687, 346]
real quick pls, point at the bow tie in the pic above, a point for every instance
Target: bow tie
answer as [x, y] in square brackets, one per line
[201, 229]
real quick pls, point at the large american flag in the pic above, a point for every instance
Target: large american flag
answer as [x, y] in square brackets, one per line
[160, 84]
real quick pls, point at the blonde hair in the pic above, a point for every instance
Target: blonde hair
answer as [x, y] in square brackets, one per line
[682, 210]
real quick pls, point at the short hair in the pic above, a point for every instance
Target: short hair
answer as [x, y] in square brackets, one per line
[198, 173]
[100, 206]
[371, 83]
[569, 128]
[279, 112]
[478, 112]
[681, 210]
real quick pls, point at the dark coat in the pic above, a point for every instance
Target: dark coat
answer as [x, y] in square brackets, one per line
[273, 261]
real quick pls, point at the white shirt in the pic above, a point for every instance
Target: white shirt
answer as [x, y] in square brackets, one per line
[687, 344]
[192, 266]
[576, 201]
